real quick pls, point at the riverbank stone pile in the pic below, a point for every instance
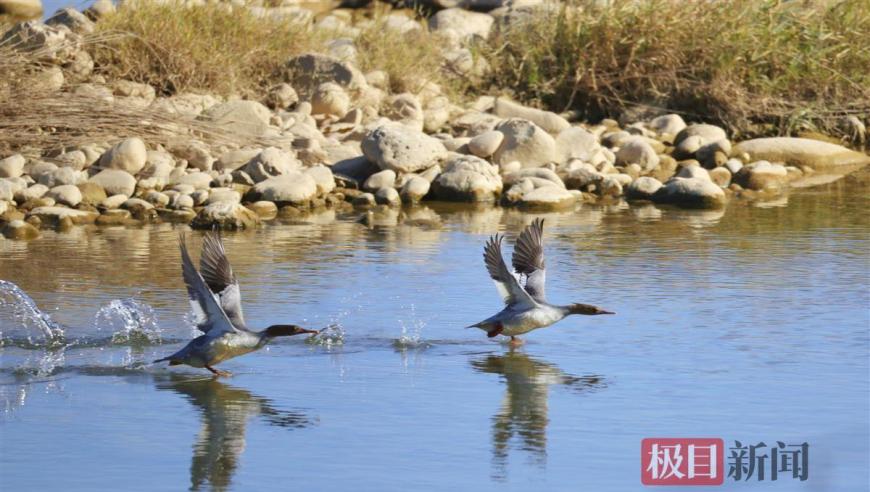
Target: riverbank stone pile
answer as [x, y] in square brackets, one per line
[338, 139]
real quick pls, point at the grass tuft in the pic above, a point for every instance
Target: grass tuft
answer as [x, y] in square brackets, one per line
[212, 47]
[756, 66]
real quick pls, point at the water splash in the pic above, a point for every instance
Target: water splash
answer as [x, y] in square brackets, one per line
[12, 397]
[329, 337]
[38, 327]
[129, 321]
[412, 332]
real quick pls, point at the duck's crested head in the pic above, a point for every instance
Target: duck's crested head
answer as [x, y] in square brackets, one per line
[587, 309]
[286, 331]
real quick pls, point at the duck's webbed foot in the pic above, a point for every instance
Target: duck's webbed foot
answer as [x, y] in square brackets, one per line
[516, 342]
[218, 372]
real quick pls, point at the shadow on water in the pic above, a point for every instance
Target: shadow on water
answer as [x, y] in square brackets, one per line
[226, 411]
[524, 410]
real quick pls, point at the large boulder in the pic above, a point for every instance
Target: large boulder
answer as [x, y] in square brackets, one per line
[248, 118]
[294, 188]
[225, 215]
[271, 162]
[115, 182]
[577, 143]
[404, 150]
[468, 179]
[691, 192]
[802, 152]
[526, 143]
[128, 155]
[548, 121]
[638, 151]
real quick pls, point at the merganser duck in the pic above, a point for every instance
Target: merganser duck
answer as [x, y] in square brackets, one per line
[217, 303]
[526, 307]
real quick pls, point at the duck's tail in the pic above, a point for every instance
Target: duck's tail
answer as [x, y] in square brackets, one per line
[171, 362]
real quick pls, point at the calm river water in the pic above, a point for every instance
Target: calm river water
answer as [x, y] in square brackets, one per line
[749, 324]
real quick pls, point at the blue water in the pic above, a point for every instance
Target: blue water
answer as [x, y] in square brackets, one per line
[750, 324]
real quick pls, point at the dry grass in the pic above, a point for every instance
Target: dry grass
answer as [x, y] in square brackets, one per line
[756, 66]
[212, 49]
[35, 117]
[205, 48]
[409, 59]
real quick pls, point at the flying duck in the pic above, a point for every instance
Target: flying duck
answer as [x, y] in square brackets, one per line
[526, 307]
[217, 303]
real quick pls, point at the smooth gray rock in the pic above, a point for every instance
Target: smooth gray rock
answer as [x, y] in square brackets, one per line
[414, 189]
[293, 188]
[115, 182]
[378, 180]
[247, 118]
[68, 195]
[485, 144]
[526, 143]
[127, 155]
[643, 188]
[225, 215]
[468, 179]
[12, 166]
[802, 152]
[402, 149]
[691, 192]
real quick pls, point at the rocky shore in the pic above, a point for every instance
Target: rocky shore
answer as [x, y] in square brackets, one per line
[329, 135]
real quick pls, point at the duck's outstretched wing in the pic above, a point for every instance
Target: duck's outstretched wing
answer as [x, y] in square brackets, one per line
[218, 274]
[212, 318]
[505, 281]
[528, 260]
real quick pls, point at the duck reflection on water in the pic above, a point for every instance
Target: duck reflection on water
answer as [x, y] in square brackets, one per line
[524, 410]
[226, 411]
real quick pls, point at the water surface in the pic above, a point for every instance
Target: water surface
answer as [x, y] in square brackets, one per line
[750, 324]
